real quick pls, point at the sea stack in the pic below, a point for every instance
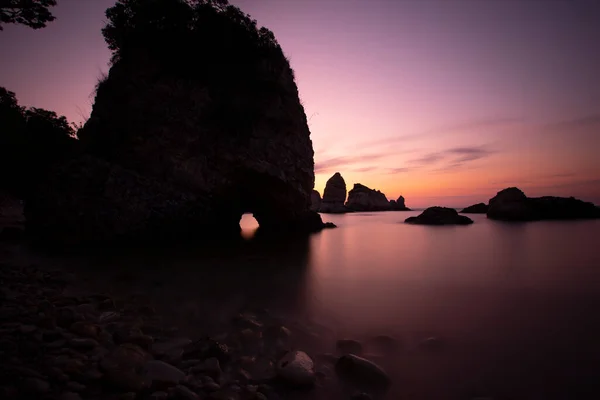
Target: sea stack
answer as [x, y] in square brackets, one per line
[177, 145]
[399, 205]
[362, 198]
[511, 204]
[334, 195]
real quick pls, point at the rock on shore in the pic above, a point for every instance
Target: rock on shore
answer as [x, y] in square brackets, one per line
[479, 208]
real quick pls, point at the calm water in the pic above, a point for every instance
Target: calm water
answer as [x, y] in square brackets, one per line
[517, 306]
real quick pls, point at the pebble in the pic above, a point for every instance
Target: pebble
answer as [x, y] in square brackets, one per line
[27, 329]
[76, 387]
[296, 368]
[185, 393]
[85, 343]
[35, 386]
[159, 396]
[209, 367]
[69, 396]
[361, 371]
[162, 373]
[86, 329]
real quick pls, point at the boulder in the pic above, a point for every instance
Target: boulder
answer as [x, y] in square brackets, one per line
[479, 208]
[362, 198]
[315, 201]
[162, 374]
[361, 371]
[296, 368]
[439, 216]
[399, 205]
[179, 146]
[511, 204]
[334, 195]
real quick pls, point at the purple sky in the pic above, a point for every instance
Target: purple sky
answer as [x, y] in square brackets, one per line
[445, 102]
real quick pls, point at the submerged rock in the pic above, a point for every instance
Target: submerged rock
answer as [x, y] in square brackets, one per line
[179, 146]
[479, 208]
[297, 369]
[439, 216]
[361, 371]
[511, 204]
[362, 198]
[334, 195]
[349, 346]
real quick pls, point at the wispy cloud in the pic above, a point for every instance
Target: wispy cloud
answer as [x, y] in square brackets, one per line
[346, 162]
[584, 121]
[478, 124]
[452, 158]
[398, 170]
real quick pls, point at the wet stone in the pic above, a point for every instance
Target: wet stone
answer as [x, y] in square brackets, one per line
[184, 393]
[76, 387]
[84, 344]
[349, 346]
[35, 386]
[69, 396]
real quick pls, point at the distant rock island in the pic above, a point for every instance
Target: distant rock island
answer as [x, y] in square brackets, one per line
[479, 208]
[439, 216]
[179, 145]
[334, 195]
[512, 204]
[360, 198]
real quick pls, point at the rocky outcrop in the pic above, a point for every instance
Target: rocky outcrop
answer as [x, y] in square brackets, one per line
[479, 208]
[398, 205]
[439, 216]
[511, 204]
[362, 198]
[315, 201]
[178, 145]
[334, 195]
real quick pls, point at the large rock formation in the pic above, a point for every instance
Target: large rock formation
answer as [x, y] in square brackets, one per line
[398, 205]
[479, 208]
[334, 195]
[362, 198]
[439, 216]
[315, 201]
[198, 121]
[511, 204]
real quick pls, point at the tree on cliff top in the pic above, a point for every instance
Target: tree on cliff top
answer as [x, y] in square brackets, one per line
[165, 26]
[32, 13]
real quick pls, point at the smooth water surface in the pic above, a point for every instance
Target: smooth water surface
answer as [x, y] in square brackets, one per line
[516, 306]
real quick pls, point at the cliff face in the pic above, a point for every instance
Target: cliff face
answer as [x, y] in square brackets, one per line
[334, 195]
[315, 201]
[511, 204]
[362, 198]
[399, 205]
[224, 133]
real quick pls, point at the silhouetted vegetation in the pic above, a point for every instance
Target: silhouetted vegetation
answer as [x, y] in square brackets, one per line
[32, 13]
[30, 140]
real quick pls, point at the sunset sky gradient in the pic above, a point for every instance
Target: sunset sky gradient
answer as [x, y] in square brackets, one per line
[445, 102]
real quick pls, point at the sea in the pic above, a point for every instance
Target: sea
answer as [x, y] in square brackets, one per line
[513, 309]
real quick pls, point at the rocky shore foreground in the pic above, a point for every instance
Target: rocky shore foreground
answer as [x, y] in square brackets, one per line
[60, 346]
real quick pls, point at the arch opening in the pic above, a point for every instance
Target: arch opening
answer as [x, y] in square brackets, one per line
[248, 226]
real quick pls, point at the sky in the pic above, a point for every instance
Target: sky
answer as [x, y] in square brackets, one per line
[445, 102]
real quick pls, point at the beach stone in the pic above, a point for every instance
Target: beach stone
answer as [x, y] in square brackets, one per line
[172, 349]
[349, 346]
[185, 394]
[207, 348]
[108, 316]
[162, 373]
[361, 396]
[247, 321]
[85, 343]
[35, 386]
[76, 387]
[358, 370]
[210, 367]
[123, 366]
[159, 396]
[69, 396]
[383, 344]
[296, 368]
[85, 329]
